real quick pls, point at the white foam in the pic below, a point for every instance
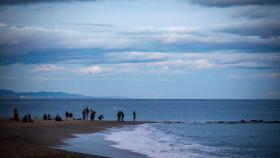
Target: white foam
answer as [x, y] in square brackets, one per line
[147, 140]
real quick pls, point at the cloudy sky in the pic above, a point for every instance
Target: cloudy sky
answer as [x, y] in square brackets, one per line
[208, 49]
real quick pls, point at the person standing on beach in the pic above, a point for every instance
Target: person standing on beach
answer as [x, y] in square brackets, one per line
[122, 116]
[29, 119]
[84, 114]
[92, 115]
[87, 112]
[134, 116]
[49, 117]
[66, 115]
[16, 115]
[45, 117]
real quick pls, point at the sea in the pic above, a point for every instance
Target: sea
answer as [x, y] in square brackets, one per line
[177, 128]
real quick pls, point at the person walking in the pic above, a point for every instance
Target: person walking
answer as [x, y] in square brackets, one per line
[134, 116]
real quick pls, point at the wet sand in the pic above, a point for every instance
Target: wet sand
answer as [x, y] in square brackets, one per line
[20, 140]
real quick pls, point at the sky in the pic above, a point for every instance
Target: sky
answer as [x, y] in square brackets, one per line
[154, 49]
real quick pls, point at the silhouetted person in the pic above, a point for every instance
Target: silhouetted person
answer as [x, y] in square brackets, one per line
[92, 115]
[57, 118]
[70, 114]
[134, 116]
[24, 119]
[100, 117]
[29, 119]
[87, 112]
[49, 117]
[84, 114]
[66, 114]
[16, 115]
[45, 117]
[119, 115]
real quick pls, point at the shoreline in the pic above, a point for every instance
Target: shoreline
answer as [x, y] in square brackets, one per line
[35, 139]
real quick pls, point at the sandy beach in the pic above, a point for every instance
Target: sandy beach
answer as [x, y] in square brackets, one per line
[34, 139]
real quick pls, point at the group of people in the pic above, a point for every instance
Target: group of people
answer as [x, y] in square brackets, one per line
[68, 115]
[90, 114]
[120, 116]
[26, 118]
[87, 114]
[47, 116]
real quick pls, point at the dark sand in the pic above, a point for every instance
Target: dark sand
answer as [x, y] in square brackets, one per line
[20, 140]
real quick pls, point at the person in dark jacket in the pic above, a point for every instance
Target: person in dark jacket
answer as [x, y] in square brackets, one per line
[122, 116]
[92, 115]
[119, 115]
[100, 117]
[134, 116]
[57, 118]
[84, 114]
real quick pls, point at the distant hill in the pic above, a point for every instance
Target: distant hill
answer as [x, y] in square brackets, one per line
[40, 95]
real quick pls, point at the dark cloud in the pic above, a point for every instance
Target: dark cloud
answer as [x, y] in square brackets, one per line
[263, 28]
[257, 12]
[26, 2]
[231, 3]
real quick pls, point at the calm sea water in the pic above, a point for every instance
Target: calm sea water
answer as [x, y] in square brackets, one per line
[192, 138]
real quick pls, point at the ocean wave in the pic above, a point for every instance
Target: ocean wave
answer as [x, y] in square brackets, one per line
[147, 140]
